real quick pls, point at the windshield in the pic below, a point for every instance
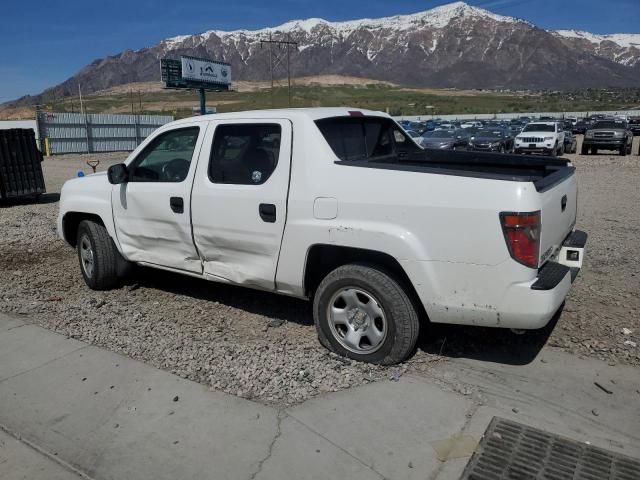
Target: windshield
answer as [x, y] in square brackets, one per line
[539, 127]
[489, 132]
[609, 124]
[439, 134]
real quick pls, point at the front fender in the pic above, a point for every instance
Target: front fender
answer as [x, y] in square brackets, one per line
[90, 195]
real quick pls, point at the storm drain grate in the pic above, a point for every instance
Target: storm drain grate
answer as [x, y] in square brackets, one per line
[512, 451]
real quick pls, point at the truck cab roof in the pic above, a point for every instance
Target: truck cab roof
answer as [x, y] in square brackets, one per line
[288, 113]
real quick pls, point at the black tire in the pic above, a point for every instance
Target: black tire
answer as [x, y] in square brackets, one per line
[400, 312]
[623, 151]
[594, 151]
[584, 150]
[554, 152]
[106, 259]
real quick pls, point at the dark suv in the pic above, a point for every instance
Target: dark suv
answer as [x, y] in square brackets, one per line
[608, 135]
[634, 125]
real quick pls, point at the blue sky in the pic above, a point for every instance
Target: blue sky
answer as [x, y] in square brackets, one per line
[45, 42]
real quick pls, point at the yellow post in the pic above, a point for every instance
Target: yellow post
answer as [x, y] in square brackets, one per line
[47, 152]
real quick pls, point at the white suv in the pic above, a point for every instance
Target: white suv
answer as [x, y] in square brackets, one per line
[541, 137]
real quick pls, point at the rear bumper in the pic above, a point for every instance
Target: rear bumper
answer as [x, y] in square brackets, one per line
[533, 304]
[460, 293]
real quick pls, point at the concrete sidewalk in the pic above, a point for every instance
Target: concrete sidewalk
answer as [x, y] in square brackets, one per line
[70, 410]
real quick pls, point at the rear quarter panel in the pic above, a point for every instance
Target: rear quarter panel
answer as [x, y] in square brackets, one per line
[443, 229]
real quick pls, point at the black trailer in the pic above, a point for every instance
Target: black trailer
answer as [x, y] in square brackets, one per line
[20, 164]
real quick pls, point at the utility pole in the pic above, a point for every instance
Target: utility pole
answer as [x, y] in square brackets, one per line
[278, 58]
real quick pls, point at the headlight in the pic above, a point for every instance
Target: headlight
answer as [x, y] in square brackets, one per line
[588, 134]
[495, 144]
[618, 134]
[548, 139]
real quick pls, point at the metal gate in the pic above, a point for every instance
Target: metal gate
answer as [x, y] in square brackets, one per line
[95, 132]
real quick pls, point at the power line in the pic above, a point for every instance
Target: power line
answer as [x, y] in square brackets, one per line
[277, 58]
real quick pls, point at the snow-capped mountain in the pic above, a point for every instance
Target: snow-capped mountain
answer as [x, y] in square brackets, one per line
[623, 48]
[454, 45]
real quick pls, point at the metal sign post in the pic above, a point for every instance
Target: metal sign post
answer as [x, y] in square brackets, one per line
[203, 102]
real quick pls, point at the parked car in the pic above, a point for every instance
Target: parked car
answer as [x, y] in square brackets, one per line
[491, 140]
[608, 135]
[581, 126]
[444, 139]
[567, 125]
[446, 126]
[515, 128]
[413, 134]
[541, 137]
[634, 125]
[266, 200]
[570, 142]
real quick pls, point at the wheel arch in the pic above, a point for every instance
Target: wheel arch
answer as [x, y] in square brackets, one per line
[323, 259]
[71, 221]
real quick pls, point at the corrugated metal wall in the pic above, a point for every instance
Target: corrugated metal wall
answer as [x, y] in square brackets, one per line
[507, 116]
[96, 132]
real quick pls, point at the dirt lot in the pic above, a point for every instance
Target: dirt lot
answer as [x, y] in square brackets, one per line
[263, 346]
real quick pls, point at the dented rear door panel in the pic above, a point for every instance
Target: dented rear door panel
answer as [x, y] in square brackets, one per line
[235, 242]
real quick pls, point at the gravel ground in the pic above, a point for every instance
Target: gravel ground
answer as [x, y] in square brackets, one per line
[262, 346]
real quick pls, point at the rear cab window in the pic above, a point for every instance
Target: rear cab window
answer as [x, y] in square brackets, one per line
[365, 138]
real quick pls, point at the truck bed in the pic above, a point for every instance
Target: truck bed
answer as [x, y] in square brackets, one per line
[544, 172]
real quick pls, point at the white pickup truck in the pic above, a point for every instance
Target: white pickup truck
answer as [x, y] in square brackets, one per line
[541, 137]
[339, 206]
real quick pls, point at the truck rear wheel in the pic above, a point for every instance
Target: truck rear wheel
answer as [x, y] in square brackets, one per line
[364, 313]
[98, 256]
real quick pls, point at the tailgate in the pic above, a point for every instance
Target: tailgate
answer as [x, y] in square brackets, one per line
[558, 216]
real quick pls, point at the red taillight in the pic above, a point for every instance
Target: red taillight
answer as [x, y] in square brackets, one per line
[522, 234]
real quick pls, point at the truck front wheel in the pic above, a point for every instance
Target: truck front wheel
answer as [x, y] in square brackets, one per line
[98, 256]
[363, 313]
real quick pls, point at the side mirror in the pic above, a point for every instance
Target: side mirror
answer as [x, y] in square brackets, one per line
[118, 174]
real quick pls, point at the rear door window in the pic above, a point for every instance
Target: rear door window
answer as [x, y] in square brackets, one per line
[244, 154]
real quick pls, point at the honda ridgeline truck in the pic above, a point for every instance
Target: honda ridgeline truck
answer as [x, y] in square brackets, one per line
[341, 207]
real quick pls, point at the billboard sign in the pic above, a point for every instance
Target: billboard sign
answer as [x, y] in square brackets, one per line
[207, 71]
[185, 74]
